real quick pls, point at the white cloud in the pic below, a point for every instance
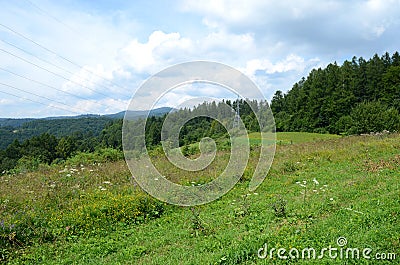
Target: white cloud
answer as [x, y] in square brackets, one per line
[160, 47]
[273, 42]
[305, 26]
[5, 101]
[87, 80]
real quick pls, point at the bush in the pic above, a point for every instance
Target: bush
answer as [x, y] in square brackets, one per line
[98, 212]
[102, 211]
[99, 156]
[374, 117]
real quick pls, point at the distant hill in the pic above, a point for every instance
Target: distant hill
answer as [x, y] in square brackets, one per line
[22, 129]
[9, 122]
[139, 113]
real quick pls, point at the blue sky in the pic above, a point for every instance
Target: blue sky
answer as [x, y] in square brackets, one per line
[115, 45]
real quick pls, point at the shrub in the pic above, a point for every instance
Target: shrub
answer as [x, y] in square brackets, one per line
[101, 211]
[374, 117]
[99, 156]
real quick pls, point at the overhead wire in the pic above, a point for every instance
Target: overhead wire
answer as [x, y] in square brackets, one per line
[34, 101]
[40, 96]
[49, 71]
[45, 61]
[58, 55]
[49, 15]
[52, 87]
[50, 63]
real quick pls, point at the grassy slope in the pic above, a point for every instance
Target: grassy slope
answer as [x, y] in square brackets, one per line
[360, 202]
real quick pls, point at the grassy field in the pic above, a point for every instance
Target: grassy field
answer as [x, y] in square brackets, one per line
[282, 138]
[320, 188]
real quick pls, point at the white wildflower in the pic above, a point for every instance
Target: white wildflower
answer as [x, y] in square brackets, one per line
[315, 181]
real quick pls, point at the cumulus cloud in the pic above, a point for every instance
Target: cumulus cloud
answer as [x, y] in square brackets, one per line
[305, 26]
[273, 42]
[85, 81]
[146, 57]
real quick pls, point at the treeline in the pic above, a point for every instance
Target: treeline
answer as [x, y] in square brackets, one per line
[47, 148]
[192, 130]
[359, 96]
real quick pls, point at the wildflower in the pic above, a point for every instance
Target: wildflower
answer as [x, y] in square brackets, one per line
[68, 175]
[255, 193]
[106, 182]
[304, 186]
[331, 199]
[315, 181]
[304, 182]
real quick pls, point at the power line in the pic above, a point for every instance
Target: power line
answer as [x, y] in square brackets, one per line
[49, 71]
[49, 15]
[31, 54]
[52, 87]
[45, 61]
[56, 54]
[34, 101]
[46, 98]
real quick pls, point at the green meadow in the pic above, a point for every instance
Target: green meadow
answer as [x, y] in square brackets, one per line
[320, 188]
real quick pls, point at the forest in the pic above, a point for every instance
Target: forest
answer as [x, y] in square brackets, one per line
[56, 145]
[357, 97]
[360, 96]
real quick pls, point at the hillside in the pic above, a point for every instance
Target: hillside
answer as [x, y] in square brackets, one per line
[90, 124]
[317, 191]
